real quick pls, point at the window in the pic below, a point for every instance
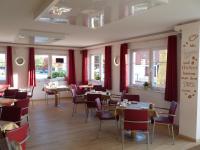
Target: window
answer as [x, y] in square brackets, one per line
[50, 66]
[140, 63]
[97, 67]
[59, 66]
[159, 68]
[2, 66]
[41, 64]
[149, 66]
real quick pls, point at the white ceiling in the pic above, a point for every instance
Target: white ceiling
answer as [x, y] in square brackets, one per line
[16, 15]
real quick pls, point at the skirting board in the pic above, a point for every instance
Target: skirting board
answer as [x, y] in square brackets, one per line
[188, 138]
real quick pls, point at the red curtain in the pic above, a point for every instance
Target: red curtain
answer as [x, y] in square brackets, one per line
[108, 69]
[171, 74]
[123, 68]
[84, 67]
[9, 71]
[72, 74]
[31, 67]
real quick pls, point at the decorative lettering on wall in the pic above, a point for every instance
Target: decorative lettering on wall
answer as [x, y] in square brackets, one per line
[189, 67]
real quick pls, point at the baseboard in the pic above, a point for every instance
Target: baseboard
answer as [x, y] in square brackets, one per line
[188, 138]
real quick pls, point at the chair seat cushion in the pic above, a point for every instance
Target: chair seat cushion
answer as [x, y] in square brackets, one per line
[163, 119]
[106, 115]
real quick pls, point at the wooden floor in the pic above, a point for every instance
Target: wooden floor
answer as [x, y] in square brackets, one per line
[55, 129]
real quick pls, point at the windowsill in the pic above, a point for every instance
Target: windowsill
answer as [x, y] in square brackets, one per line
[150, 89]
[96, 81]
[51, 80]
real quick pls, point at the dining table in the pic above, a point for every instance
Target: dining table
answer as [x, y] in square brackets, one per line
[7, 101]
[56, 90]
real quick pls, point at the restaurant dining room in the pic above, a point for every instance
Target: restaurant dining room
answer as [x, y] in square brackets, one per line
[99, 74]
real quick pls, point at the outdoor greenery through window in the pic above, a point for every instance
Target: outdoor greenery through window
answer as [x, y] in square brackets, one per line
[149, 66]
[41, 64]
[50, 66]
[97, 67]
[2, 66]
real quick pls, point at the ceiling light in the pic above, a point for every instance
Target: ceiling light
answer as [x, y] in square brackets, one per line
[59, 10]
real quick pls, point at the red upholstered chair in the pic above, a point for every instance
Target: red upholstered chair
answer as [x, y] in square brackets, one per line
[167, 118]
[136, 120]
[131, 97]
[76, 100]
[19, 135]
[21, 95]
[24, 105]
[11, 113]
[10, 93]
[90, 103]
[103, 114]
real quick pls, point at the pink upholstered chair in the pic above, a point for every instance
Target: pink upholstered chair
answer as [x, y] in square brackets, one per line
[10, 93]
[136, 120]
[21, 95]
[167, 118]
[19, 135]
[102, 114]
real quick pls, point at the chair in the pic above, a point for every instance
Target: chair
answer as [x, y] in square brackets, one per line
[21, 95]
[167, 118]
[131, 97]
[76, 100]
[19, 135]
[30, 93]
[114, 99]
[99, 88]
[102, 114]
[10, 93]
[24, 105]
[11, 113]
[136, 120]
[90, 103]
[79, 91]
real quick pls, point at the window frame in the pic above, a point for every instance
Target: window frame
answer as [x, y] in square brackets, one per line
[4, 81]
[150, 80]
[50, 65]
[101, 67]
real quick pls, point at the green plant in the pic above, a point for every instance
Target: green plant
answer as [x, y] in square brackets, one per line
[97, 76]
[58, 74]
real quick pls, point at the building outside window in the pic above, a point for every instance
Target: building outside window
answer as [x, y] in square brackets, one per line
[41, 65]
[149, 65]
[2, 67]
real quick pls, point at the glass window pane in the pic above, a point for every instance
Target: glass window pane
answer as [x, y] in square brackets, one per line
[2, 67]
[159, 68]
[59, 66]
[140, 67]
[96, 67]
[41, 64]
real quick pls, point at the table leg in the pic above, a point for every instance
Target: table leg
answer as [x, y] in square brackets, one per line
[56, 99]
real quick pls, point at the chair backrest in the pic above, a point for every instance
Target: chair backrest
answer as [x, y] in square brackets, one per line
[172, 110]
[10, 93]
[99, 88]
[11, 113]
[91, 100]
[98, 104]
[131, 97]
[30, 92]
[21, 95]
[136, 119]
[23, 104]
[20, 135]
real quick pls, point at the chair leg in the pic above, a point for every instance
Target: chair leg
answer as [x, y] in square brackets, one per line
[122, 139]
[153, 132]
[147, 140]
[73, 110]
[169, 129]
[173, 134]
